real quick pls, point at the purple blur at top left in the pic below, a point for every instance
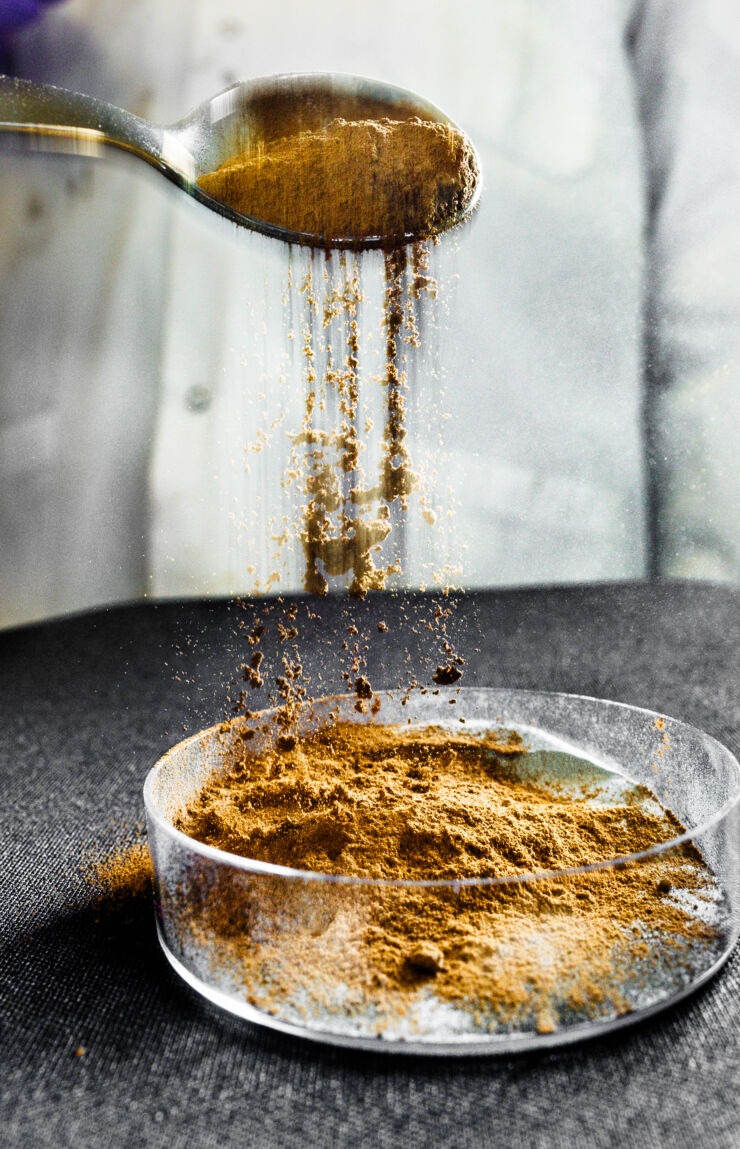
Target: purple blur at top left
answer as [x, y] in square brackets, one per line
[16, 13]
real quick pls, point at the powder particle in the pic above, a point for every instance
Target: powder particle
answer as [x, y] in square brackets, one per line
[447, 674]
[347, 517]
[354, 178]
[251, 675]
[426, 957]
[363, 689]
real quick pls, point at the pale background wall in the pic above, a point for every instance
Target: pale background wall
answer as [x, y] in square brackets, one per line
[118, 299]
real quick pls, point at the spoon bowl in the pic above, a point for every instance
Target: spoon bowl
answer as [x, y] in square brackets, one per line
[247, 116]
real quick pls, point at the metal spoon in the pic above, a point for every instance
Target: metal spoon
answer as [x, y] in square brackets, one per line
[38, 117]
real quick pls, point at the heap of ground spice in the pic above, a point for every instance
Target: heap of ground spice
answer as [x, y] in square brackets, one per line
[432, 803]
[354, 178]
[377, 801]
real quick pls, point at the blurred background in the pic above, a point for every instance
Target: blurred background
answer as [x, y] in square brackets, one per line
[592, 353]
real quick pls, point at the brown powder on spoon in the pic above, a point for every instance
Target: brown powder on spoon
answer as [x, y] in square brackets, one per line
[354, 179]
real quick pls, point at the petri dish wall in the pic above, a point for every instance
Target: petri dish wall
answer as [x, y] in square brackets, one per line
[296, 951]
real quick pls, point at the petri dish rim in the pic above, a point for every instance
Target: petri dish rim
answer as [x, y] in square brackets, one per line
[253, 865]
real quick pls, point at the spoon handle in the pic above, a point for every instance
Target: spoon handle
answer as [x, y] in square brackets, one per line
[39, 117]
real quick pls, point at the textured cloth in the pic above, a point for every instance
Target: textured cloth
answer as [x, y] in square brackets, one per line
[87, 705]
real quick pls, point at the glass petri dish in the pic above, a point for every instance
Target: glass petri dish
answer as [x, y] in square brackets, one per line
[288, 949]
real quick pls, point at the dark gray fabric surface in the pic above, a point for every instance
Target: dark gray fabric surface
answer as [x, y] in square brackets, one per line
[88, 704]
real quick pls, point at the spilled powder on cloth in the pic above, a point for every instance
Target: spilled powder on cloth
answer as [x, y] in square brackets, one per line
[121, 873]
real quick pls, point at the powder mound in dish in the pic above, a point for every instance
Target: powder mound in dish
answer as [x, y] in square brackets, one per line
[434, 803]
[354, 179]
[412, 803]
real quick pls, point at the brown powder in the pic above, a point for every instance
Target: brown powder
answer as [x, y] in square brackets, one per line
[419, 803]
[121, 873]
[364, 178]
[430, 803]
[347, 517]
[354, 177]
[350, 517]
[448, 672]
